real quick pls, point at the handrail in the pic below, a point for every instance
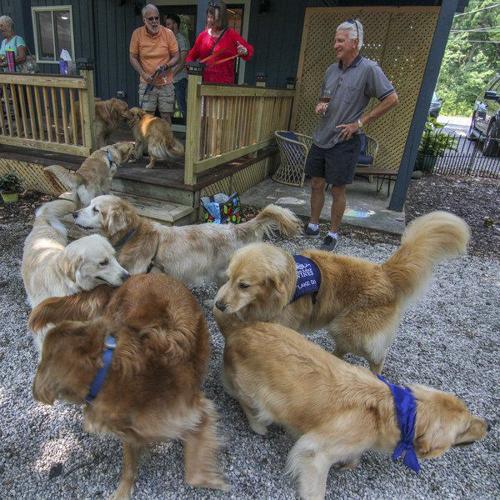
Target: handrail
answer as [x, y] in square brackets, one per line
[226, 122]
[48, 112]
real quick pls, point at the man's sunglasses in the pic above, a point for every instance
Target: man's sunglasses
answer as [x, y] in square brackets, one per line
[353, 21]
[153, 18]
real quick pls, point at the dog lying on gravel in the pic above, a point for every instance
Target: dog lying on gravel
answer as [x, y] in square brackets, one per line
[51, 267]
[337, 410]
[96, 174]
[192, 254]
[154, 331]
[360, 303]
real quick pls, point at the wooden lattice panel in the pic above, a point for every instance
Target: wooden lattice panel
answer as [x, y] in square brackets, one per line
[33, 177]
[398, 38]
[243, 180]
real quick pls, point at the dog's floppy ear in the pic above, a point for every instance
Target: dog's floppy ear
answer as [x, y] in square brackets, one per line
[117, 218]
[104, 110]
[53, 379]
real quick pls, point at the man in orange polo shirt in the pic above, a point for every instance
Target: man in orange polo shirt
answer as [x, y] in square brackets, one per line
[154, 47]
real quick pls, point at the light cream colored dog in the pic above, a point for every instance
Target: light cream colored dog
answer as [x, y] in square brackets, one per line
[193, 254]
[96, 174]
[337, 410]
[359, 302]
[154, 135]
[51, 267]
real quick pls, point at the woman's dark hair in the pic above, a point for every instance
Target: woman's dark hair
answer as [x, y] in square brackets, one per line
[175, 18]
[218, 10]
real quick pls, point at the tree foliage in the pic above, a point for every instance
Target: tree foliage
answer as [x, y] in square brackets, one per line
[469, 63]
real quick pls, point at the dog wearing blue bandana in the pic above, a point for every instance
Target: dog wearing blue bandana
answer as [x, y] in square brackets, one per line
[359, 302]
[337, 410]
[136, 357]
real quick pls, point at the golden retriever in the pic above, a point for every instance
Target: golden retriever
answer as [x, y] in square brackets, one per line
[152, 391]
[359, 302]
[154, 135]
[51, 267]
[109, 115]
[192, 254]
[337, 410]
[96, 173]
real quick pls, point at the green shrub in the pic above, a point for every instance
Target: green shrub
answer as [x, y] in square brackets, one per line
[10, 183]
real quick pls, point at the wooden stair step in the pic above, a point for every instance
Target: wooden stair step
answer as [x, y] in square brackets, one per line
[164, 212]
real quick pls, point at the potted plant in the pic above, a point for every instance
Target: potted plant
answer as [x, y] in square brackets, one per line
[433, 144]
[10, 187]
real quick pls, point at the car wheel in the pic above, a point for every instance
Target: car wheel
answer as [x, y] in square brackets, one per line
[491, 145]
[470, 134]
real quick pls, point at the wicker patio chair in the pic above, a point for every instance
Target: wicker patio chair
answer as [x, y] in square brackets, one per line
[293, 148]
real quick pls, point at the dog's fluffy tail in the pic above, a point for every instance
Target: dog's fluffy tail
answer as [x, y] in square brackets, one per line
[55, 209]
[67, 178]
[272, 218]
[173, 151]
[426, 241]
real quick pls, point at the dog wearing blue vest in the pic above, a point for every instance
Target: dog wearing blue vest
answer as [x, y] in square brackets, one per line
[137, 357]
[337, 410]
[359, 302]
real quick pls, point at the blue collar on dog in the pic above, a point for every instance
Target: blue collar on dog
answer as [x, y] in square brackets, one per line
[109, 156]
[308, 277]
[107, 356]
[406, 412]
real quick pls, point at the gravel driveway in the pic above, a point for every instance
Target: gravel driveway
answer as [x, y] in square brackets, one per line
[449, 339]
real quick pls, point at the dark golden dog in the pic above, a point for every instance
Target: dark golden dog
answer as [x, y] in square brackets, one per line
[152, 391]
[359, 302]
[337, 410]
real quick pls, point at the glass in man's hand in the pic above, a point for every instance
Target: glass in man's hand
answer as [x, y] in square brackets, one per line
[325, 98]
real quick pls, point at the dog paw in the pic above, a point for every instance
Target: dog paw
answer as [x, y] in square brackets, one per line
[213, 481]
[149, 165]
[258, 428]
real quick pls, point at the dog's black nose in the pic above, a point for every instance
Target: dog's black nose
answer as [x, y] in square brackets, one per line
[220, 306]
[125, 276]
[75, 215]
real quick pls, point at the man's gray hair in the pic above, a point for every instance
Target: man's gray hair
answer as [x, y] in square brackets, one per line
[8, 20]
[355, 30]
[147, 7]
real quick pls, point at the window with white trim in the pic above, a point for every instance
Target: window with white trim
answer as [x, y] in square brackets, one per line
[53, 29]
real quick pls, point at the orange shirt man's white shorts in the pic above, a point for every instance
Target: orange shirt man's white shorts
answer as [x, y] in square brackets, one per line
[153, 51]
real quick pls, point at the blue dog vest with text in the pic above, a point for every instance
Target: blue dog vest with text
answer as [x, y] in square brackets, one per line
[308, 277]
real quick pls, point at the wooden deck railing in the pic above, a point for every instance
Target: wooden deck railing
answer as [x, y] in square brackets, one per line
[226, 122]
[48, 112]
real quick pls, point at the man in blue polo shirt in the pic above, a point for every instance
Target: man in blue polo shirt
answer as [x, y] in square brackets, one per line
[347, 89]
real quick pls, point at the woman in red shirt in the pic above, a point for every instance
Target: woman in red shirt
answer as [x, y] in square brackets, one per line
[221, 42]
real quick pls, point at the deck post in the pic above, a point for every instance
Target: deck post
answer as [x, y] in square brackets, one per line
[88, 104]
[193, 124]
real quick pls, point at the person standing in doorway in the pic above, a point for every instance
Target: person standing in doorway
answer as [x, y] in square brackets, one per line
[180, 75]
[153, 54]
[219, 46]
[347, 88]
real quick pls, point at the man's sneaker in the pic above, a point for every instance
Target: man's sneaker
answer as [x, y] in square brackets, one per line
[310, 232]
[329, 243]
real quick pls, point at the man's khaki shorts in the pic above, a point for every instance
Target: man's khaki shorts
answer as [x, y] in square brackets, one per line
[162, 97]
